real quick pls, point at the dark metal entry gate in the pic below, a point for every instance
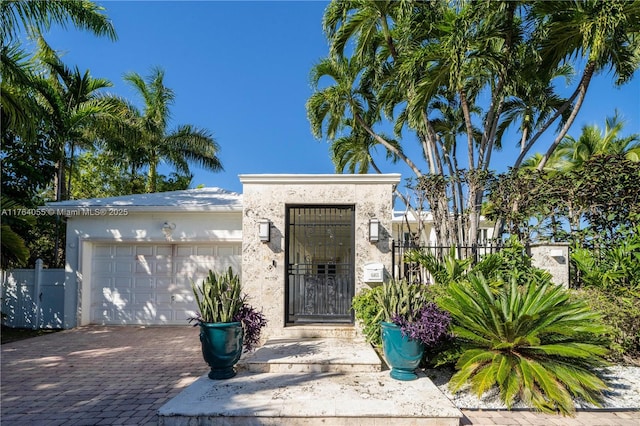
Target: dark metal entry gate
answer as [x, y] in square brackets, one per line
[320, 271]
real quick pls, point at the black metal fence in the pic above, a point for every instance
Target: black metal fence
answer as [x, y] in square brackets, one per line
[414, 272]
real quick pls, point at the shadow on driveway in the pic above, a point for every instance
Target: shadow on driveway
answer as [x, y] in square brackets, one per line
[97, 375]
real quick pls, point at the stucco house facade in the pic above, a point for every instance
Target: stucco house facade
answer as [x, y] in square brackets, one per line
[303, 244]
[131, 259]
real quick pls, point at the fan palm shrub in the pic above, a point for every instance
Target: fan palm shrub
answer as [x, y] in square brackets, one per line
[533, 341]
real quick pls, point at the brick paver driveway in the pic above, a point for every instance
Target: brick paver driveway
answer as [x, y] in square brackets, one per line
[97, 375]
[122, 375]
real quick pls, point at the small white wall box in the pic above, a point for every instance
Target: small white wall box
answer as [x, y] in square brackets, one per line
[556, 253]
[373, 273]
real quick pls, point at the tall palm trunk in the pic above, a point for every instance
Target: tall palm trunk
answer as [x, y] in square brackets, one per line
[582, 92]
[153, 176]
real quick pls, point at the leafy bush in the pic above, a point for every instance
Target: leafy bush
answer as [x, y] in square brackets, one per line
[409, 306]
[511, 259]
[615, 269]
[367, 312]
[533, 342]
[449, 269]
[622, 317]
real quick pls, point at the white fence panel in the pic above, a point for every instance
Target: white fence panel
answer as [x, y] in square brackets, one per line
[33, 298]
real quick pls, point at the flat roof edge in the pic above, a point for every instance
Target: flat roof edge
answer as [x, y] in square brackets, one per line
[389, 178]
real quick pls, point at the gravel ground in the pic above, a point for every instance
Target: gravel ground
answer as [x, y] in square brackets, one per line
[624, 392]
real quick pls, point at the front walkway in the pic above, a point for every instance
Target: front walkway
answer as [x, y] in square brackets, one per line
[122, 375]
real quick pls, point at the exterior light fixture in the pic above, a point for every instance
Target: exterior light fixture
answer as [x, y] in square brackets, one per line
[374, 230]
[167, 229]
[264, 230]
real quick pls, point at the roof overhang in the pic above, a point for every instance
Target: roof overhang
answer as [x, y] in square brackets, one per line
[190, 200]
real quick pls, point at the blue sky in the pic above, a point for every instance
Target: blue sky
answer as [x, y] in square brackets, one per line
[241, 70]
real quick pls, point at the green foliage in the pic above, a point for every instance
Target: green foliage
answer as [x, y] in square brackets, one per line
[614, 268]
[513, 261]
[532, 341]
[455, 76]
[219, 297]
[156, 143]
[367, 312]
[399, 298]
[98, 174]
[219, 300]
[14, 251]
[621, 316]
[590, 203]
[450, 269]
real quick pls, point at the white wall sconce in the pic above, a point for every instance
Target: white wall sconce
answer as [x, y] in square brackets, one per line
[167, 229]
[374, 230]
[264, 230]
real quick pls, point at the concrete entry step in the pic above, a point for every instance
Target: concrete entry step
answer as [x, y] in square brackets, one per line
[310, 399]
[312, 355]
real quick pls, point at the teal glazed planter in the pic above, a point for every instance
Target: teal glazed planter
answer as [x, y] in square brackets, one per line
[401, 353]
[221, 347]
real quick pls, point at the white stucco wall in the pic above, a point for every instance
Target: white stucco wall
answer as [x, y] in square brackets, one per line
[84, 230]
[266, 196]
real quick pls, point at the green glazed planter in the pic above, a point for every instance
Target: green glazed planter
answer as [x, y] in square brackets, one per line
[221, 347]
[401, 353]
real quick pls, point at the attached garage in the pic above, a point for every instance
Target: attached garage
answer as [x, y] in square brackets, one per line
[131, 259]
[151, 283]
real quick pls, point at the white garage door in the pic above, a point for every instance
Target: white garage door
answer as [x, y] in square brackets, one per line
[151, 283]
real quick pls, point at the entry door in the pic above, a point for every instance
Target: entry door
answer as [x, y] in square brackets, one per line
[320, 272]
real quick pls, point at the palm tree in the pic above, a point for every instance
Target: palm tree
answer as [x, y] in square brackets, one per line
[593, 141]
[606, 33]
[394, 60]
[353, 152]
[368, 21]
[75, 108]
[156, 144]
[35, 17]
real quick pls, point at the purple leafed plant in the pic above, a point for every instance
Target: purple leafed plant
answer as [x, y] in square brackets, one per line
[430, 326]
[252, 321]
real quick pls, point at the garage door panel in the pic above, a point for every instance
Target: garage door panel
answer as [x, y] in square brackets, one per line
[204, 251]
[123, 266]
[164, 250]
[144, 282]
[102, 251]
[151, 283]
[144, 250]
[122, 282]
[184, 251]
[102, 267]
[162, 267]
[124, 251]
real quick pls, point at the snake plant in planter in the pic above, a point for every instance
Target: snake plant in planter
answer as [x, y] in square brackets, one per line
[409, 324]
[227, 322]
